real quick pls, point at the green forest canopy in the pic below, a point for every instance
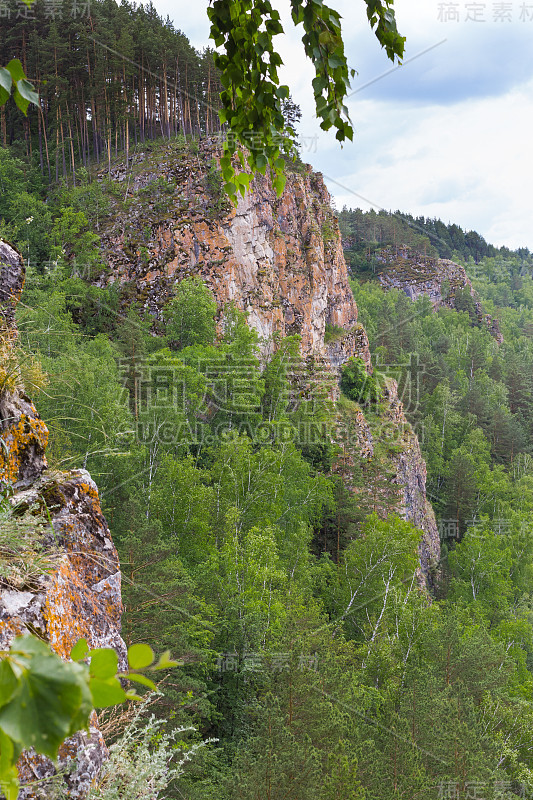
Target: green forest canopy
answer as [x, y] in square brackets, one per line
[310, 655]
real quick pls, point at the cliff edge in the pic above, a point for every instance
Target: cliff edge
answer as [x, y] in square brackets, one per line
[279, 259]
[445, 283]
[73, 589]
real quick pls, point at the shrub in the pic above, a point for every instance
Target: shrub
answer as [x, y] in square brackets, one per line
[358, 385]
[144, 762]
[190, 315]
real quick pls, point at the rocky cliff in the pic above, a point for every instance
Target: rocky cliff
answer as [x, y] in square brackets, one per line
[382, 463]
[443, 281]
[279, 259]
[65, 583]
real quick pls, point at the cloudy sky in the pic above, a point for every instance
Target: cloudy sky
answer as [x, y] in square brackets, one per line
[448, 134]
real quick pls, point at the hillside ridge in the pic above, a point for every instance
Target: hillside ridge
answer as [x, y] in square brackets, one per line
[280, 260]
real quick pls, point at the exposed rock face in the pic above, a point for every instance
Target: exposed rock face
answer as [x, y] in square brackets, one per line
[416, 275]
[438, 278]
[401, 486]
[81, 596]
[278, 259]
[11, 283]
[354, 343]
[411, 475]
[24, 437]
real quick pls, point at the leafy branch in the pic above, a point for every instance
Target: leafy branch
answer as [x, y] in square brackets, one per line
[13, 80]
[44, 700]
[252, 97]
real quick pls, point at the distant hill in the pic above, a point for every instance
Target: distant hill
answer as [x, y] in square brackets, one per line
[364, 232]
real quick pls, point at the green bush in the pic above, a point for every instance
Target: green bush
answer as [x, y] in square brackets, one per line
[358, 385]
[190, 315]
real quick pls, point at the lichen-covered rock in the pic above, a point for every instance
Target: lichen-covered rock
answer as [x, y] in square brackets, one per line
[278, 259]
[80, 596]
[23, 439]
[23, 435]
[437, 278]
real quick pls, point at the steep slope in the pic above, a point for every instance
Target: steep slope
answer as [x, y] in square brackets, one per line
[278, 259]
[443, 281]
[78, 594]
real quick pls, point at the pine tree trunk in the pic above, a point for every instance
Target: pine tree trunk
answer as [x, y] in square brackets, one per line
[39, 132]
[3, 126]
[43, 122]
[71, 150]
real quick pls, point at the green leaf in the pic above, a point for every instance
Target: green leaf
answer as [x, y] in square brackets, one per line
[279, 183]
[326, 37]
[335, 61]
[51, 702]
[80, 650]
[6, 81]
[139, 678]
[80, 719]
[165, 662]
[15, 69]
[230, 188]
[21, 102]
[104, 663]
[140, 656]
[26, 90]
[243, 180]
[319, 83]
[106, 692]
[9, 782]
[24, 93]
[131, 694]
[8, 682]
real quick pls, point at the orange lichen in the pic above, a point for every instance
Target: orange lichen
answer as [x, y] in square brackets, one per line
[91, 492]
[70, 610]
[27, 432]
[11, 627]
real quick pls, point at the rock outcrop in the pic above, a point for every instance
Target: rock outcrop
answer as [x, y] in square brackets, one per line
[278, 259]
[78, 595]
[411, 476]
[440, 279]
[383, 465]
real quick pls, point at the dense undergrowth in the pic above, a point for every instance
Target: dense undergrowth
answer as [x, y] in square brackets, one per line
[311, 655]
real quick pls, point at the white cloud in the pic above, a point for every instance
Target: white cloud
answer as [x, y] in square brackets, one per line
[467, 163]
[445, 135]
